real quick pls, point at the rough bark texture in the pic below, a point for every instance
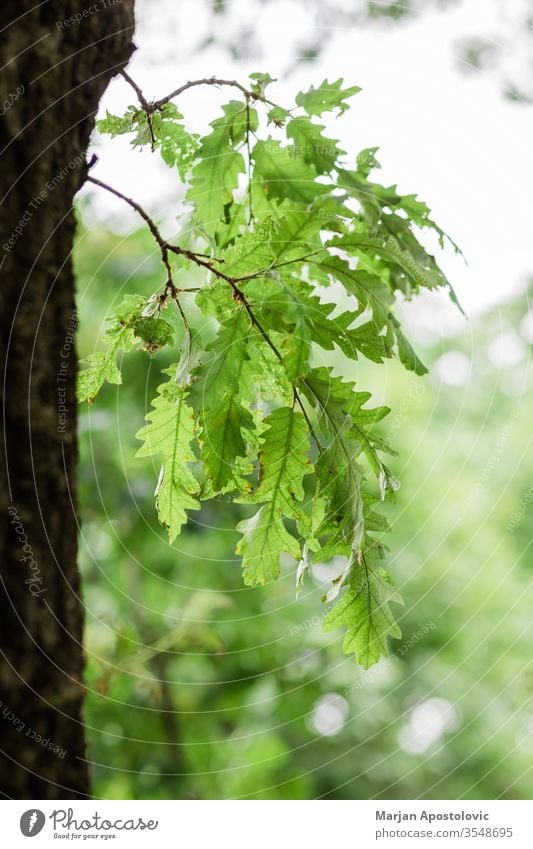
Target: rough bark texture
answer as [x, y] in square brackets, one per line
[54, 73]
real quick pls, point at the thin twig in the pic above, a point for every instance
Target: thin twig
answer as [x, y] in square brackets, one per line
[134, 205]
[170, 287]
[164, 246]
[145, 106]
[296, 259]
[138, 91]
[158, 104]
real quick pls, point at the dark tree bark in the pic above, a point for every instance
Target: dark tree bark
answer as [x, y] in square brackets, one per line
[55, 69]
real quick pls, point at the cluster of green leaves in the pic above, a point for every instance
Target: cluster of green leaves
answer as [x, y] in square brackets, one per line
[133, 325]
[301, 255]
[163, 129]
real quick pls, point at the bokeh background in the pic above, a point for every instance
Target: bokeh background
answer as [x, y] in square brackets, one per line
[202, 688]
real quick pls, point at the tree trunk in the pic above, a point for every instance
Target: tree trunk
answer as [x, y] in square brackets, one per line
[57, 61]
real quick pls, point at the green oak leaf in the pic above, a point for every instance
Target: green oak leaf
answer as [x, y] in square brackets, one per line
[284, 459]
[102, 366]
[265, 538]
[169, 434]
[315, 148]
[284, 173]
[326, 97]
[216, 173]
[364, 610]
[154, 332]
[225, 436]
[219, 397]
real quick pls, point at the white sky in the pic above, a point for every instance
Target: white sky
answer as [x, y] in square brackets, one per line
[448, 136]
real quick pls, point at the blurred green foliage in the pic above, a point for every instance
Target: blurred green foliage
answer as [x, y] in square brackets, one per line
[202, 688]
